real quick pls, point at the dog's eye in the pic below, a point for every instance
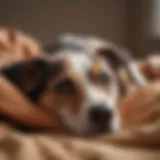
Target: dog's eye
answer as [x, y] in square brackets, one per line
[103, 79]
[66, 87]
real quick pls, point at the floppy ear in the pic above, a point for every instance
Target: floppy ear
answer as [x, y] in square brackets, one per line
[32, 76]
[118, 57]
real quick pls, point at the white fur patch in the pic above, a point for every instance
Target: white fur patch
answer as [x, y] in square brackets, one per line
[80, 123]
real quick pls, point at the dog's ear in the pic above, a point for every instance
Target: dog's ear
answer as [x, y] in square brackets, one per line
[119, 57]
[116, 56]
[32, 76]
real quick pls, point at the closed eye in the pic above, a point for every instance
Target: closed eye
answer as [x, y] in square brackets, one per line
[103, 79]
[66, 87]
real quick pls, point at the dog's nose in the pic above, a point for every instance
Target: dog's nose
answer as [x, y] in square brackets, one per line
[101, 117]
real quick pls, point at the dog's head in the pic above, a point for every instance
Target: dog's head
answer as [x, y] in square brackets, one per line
[89, 89]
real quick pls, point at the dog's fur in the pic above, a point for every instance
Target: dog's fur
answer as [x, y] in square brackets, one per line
[87, 59]
[115, 55]
[67, 94]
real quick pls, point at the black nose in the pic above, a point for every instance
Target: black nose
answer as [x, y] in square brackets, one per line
[101, 117]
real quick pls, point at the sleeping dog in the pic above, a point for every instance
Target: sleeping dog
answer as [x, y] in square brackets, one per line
[95, 63]
[77, 83]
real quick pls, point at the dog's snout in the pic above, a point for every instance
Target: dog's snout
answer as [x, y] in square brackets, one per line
[99, 114]
[101, 117]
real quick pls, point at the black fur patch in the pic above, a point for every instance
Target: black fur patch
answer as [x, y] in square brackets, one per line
[43, 69]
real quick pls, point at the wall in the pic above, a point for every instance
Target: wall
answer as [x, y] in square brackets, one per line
[46, 19]
[140, 38]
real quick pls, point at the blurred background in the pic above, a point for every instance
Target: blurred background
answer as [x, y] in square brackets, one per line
[131, 23]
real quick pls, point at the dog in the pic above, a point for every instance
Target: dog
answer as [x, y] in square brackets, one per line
[85, 94]
[77, 83]
[60, 91]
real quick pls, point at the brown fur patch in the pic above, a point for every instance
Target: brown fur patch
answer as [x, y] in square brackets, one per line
[53, 101]
[96, 69]
[96, 72]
